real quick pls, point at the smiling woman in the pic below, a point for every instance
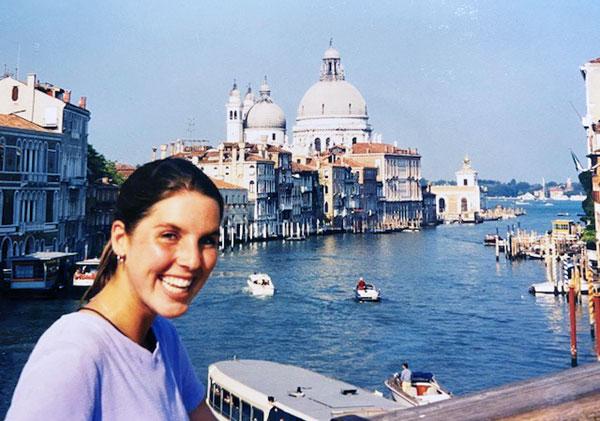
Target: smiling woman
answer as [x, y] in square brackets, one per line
[119, 357]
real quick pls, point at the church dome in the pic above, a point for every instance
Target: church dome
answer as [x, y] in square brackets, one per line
[265, 114]
[332, 98]
[331, 53]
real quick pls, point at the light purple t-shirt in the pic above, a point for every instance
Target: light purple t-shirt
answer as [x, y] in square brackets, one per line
[82, 368]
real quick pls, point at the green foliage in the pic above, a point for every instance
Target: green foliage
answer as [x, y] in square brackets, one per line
[585, 178]
[99, 167]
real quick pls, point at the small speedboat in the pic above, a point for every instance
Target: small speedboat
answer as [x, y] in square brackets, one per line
[424, 389]
[367, 292]
[261, 285]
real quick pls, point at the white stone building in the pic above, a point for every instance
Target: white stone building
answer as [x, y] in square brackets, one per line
[462, 202]
[331, 112]
[255, 120]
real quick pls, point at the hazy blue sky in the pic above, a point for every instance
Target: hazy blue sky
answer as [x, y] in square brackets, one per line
[493, 79]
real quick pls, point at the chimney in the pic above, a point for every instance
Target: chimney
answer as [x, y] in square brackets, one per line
[82, 102]
[31, 80]
[67, 96]
[154, 153]
[163, 151]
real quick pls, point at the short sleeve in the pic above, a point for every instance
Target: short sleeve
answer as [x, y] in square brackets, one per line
[58, 382]
[192, 391]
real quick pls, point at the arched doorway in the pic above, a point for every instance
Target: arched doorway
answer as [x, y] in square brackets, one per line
[29, 245]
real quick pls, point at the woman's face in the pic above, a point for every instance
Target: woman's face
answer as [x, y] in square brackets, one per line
[172, 251]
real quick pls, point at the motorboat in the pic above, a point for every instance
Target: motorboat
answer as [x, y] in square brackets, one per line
[266, 390]
[550, 288]
[490, 239]
[261, 285]
[366, 292]
[85, 272]
[296, 237]
[424, 389]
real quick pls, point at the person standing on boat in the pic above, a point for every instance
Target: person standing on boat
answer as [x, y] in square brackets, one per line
[406, 378]
[361, 283]
[120, 357]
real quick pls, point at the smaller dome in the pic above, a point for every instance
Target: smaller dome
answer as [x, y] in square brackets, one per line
[331, 53]
[265, 114]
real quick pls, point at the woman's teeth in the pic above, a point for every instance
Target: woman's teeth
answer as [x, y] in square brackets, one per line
[174, 284]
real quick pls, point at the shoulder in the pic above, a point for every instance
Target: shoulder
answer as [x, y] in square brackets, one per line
[166, 334]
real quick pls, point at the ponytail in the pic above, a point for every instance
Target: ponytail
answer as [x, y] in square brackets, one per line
[106, 269]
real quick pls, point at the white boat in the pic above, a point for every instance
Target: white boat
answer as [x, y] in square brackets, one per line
[296, 237]
[265, 391]
[550, 288]
[424, 389]
[368, 293]
[85, 272]
[261, 285]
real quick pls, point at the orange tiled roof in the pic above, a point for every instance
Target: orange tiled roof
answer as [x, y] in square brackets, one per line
[16, 122]
[225, 185]
[296, 167]
[380, 148]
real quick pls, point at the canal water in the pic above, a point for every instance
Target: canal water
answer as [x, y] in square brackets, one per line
[447, 307]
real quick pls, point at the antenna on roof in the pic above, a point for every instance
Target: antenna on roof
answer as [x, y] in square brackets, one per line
[18, 61]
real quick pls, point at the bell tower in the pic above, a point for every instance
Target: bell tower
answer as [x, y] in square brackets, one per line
[234, 115]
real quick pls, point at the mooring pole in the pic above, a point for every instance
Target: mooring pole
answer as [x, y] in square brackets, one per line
[573, 319]
[597, 322]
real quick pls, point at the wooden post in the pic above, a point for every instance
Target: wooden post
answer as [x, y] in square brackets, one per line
[597, 322]
[573, 319]
[497, 247]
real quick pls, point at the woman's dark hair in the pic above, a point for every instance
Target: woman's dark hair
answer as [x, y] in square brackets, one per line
[146, 186]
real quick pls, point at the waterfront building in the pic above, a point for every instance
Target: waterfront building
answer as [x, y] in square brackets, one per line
[248, 166]
[332, 111]
[48, 107]
[429, 206]
[591, 123]
[366, 215]
[234, 227]
[308, 208]
[340, 192]
[29, 187]
[399, 171]
[462, 202]
[100, 210]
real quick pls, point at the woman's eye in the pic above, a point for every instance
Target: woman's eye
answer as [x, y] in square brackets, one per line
[169, 236]
[209, 241]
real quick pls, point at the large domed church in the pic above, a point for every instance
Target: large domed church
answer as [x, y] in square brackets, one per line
[332, 111]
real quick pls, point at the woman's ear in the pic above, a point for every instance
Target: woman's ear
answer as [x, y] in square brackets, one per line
[119, 238]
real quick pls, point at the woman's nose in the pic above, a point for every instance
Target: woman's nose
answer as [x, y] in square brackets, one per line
[190, 256]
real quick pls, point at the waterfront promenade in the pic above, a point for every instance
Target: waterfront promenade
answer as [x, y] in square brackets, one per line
[447, 307]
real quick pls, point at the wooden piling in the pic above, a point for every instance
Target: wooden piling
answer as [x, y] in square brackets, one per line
[573, 319]
[597, 322]
[497, 248]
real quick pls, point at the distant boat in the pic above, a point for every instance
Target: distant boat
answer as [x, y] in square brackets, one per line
[521, 203]
[562, 214]
[260, 285]
[424, 389]
[548, 204]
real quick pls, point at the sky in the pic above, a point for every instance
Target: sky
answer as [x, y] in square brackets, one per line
[498, 81]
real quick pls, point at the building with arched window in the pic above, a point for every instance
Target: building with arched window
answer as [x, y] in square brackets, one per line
[462, 202]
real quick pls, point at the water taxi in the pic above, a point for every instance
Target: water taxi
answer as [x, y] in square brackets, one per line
[85, 272]
[424, 389]
[41, 271]
[268, 391]
[261, 285]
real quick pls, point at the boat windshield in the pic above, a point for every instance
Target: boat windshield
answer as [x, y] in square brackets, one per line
[278, 414]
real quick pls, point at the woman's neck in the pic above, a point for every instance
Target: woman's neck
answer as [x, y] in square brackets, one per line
[117, 302]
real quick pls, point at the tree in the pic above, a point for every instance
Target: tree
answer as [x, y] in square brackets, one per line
[99, 167]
